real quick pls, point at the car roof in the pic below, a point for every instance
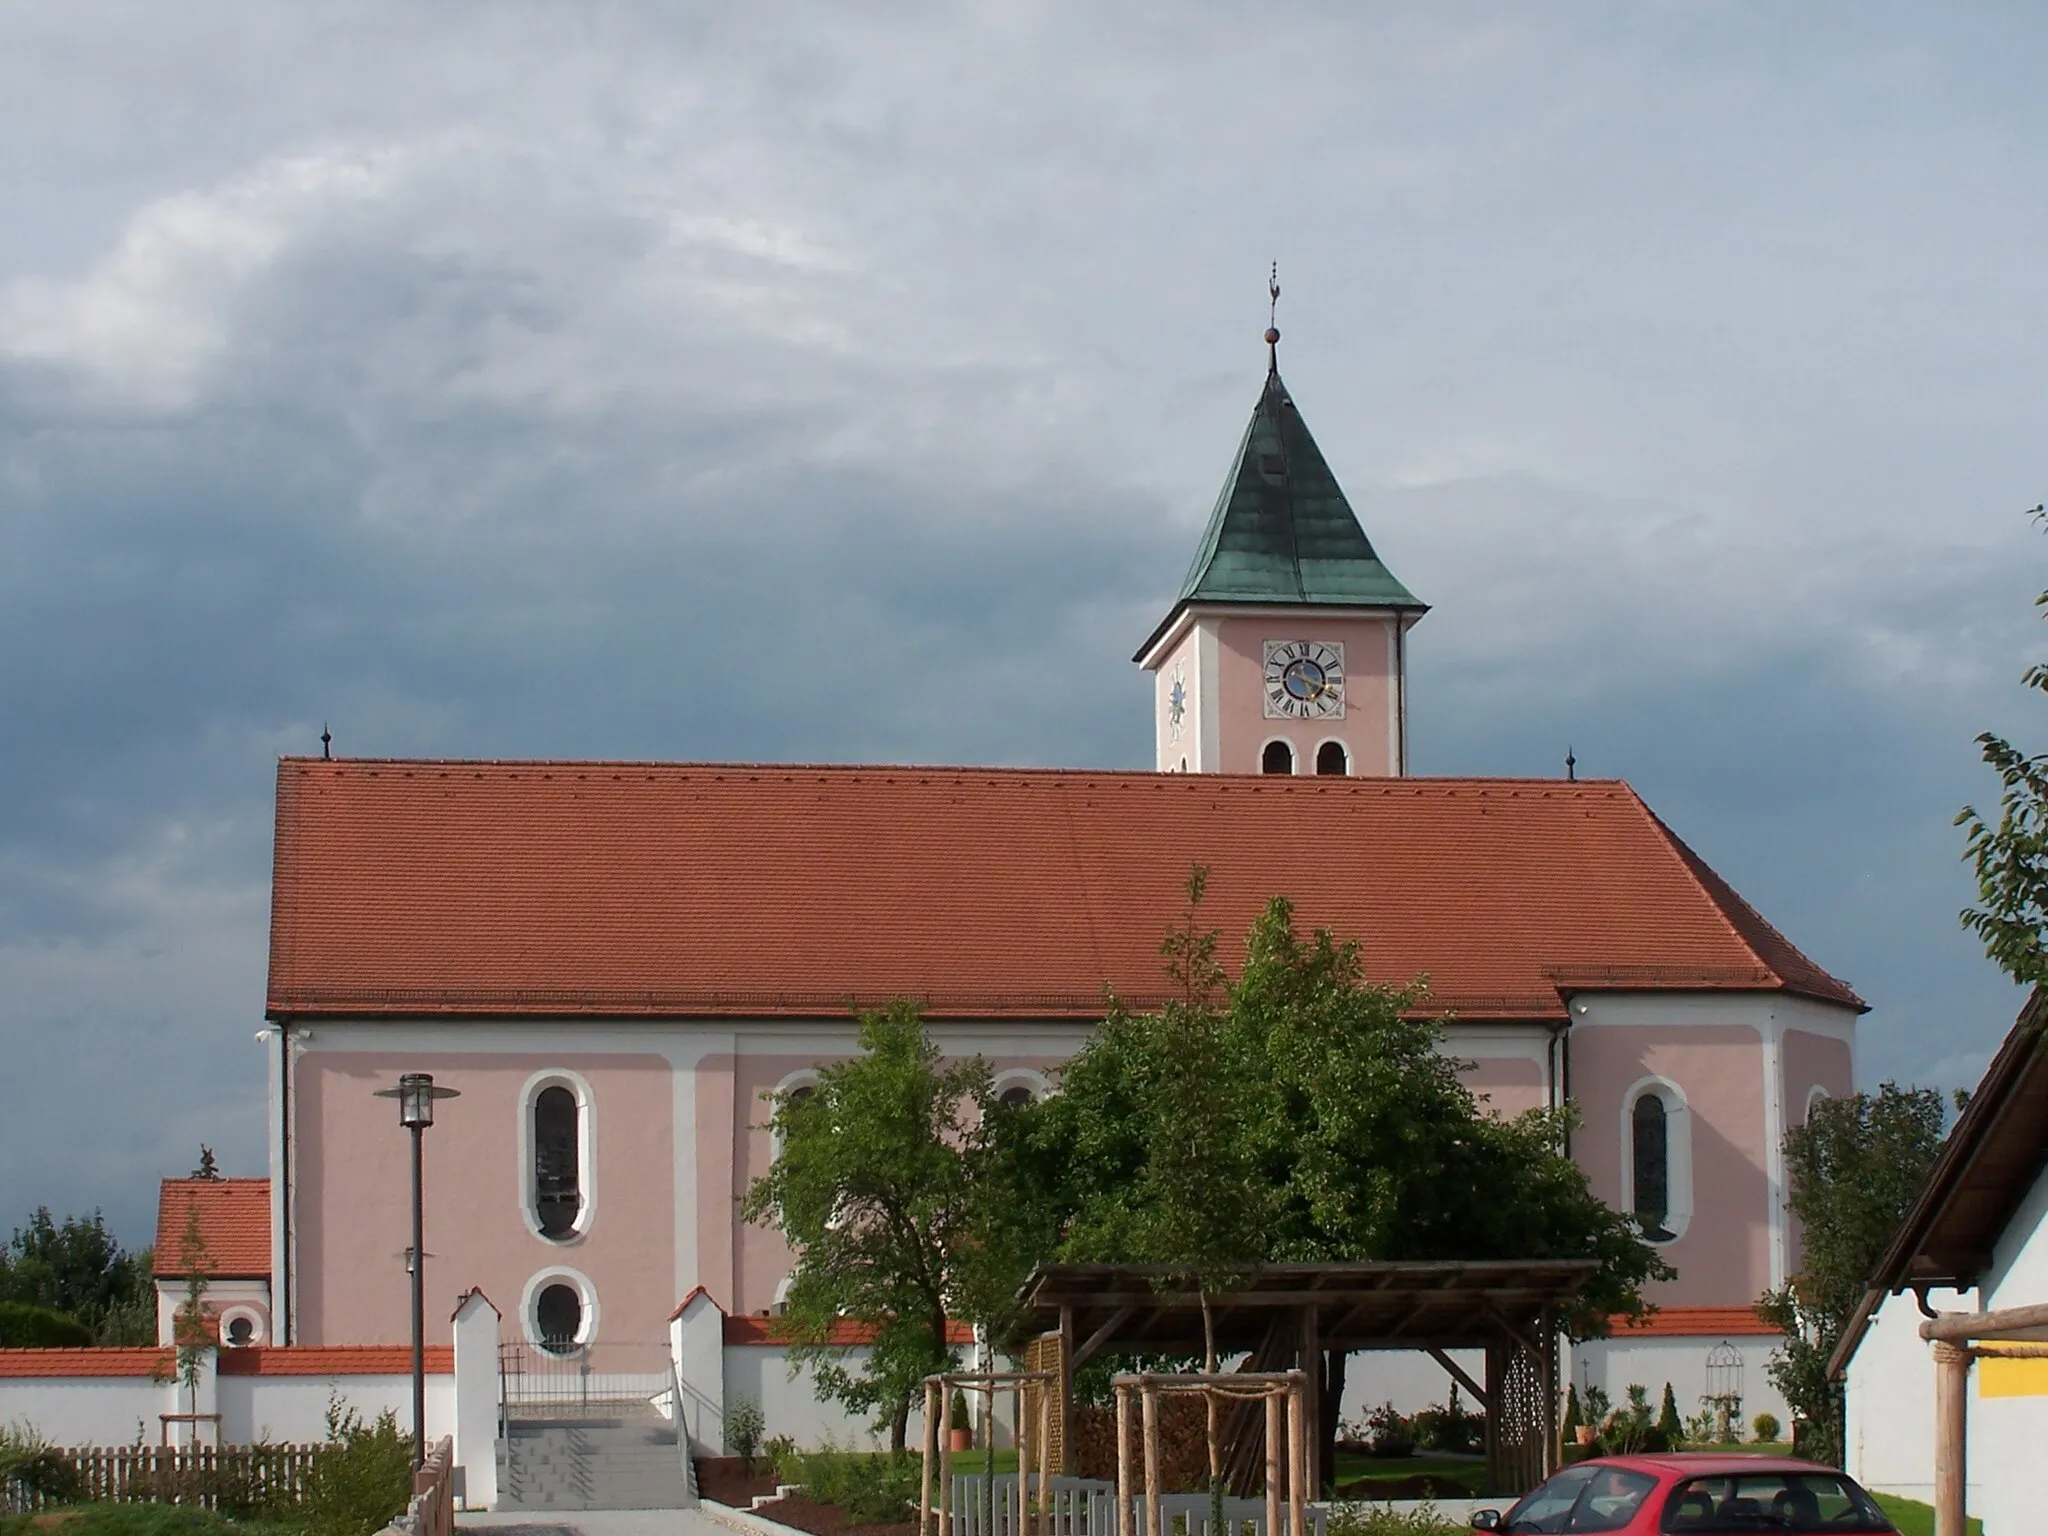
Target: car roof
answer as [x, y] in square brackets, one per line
[1708, 1463]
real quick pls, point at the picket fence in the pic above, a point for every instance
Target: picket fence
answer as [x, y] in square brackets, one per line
[1083, 1506]
[211, 1476]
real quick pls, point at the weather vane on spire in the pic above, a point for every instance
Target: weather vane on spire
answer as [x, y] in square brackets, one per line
[1273, 320]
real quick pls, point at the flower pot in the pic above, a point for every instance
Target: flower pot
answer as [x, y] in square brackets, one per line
[959, 1439]
[1588, 1433]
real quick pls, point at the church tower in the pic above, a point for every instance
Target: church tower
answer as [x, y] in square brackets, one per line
[1285, 651]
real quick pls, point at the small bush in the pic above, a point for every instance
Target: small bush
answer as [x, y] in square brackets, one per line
[1388, 1433]
[1366, 1519]
[1766, 1426]
[871, 1489]
[957, 1417]
[1449, 1428]
[744, 1422]
[30, 1464]
[361, 1486]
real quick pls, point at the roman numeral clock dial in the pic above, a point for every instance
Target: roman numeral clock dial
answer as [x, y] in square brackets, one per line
[1304, 680]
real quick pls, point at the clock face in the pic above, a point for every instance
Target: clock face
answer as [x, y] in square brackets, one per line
[1304, 680]
[1176, 705]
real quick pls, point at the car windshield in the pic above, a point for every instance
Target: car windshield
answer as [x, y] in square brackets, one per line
[1771, 1501]
[1582, 1498]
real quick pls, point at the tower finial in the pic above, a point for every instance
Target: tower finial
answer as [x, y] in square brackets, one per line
[1571, 765]
[326, 741]
[1273, 321]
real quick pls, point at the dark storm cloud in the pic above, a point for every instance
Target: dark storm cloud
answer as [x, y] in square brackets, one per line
[786, 382]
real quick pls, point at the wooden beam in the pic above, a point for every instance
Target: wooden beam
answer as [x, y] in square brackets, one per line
[1951, 1410]
[1459, 1375]
[1960, 1327]
[1312, 1409]
[1069, 1462]
[1098, 1338]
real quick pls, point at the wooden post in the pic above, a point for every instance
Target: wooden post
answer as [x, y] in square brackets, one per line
[1312, 1409]
[1297, 1465]
[1045, 1392]
[1021, 1413]
[1951, 1460]
[946, 1459]
[1273, 1433]
[1150, 1402]
[932, 1398]
[1123, 1461]
[1069, 1463]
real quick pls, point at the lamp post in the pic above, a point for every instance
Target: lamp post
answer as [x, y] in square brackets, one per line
[416, 1094]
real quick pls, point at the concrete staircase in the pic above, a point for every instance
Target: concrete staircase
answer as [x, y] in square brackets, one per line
[628, 1462]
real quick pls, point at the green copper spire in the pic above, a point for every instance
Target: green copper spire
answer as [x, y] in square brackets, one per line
[1282, 531]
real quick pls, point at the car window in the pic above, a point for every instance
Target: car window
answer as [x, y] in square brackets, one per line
[1771, 1501]
[1545, 1511]
[1610, 1500]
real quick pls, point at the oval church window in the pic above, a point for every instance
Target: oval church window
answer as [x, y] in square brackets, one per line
[558, 1317]
[1650, 1132]
[557, 1163]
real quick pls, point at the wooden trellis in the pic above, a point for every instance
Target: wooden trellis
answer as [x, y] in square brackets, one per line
[1284, 1395]
[1032, 1395]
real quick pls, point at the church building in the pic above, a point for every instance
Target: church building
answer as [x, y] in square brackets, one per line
[613, 963]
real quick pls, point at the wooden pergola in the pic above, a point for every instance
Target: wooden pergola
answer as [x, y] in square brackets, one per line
[1288, 1317]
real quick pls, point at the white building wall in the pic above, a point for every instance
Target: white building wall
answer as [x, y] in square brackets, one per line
[90, 1410]
[1614, 1364]
[1890, 1408]
[2007, 1434]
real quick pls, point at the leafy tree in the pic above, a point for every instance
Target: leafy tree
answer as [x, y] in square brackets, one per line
[2010, 854]
[24, 1325]
[875, 1191]
[77, 1267]
[1854, 1168]
[1305, 1114]
[191, 1328]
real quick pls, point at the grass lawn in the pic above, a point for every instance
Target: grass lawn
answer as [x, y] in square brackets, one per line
[974, 1463]
[1356, 1474]
[1914, 1518]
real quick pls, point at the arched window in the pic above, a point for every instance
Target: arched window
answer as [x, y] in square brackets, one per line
[1014, 1097]
[557, 1162]
[1277, 758]
[1330, 758]
[1813, 1098]
[558, 1317]
[1651, 1154]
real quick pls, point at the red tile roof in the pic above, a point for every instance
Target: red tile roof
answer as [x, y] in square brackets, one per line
[775, 1330]
[147, 1361]
[234, 1223]
[333, 1360]
[1697, 1323]
[690, 889]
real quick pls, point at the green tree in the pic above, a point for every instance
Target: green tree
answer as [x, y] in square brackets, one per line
[77, 1267]
[1307, 1114]
[875, 1190]
[2010, 853]
[1854, 1167]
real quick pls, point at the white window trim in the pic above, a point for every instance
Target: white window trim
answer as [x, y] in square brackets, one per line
[782, 1290]
[1021, 1077]
[257, 1330]
[1813, 1096]
[559, 1274]
[586, 1154]
[1677, 1150]
[1293, 756]
[1342, 746]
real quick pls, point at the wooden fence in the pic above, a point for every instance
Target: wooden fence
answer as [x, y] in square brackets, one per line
[1083, 1506]
[432, 1510]
[210, 1476]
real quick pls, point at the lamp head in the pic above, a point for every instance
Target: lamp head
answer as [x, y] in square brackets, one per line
[416, 1094]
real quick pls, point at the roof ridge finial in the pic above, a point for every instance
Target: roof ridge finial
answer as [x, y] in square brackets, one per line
[1273, 321]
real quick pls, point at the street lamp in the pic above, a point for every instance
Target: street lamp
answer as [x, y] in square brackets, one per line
[416, 1094]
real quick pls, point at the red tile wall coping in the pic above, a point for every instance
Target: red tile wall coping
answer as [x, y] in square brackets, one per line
[774, 1331]
[79, 1363]
[654, 889]
[1696, 1322]
[333, 1360]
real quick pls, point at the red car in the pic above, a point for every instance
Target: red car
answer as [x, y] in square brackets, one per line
[1691, 1491]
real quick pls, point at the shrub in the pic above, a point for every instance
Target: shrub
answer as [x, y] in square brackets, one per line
[871, 1489]
[744, 1422]
[1449, 1428]
[1766, 1426]
[365, 1481]
[957, 1417]
[1568, 1430]
[1387, 1433]
[30, 1464]
[1670, 1428]
[780, 1454]
[1367, 1519]
[23, 1325]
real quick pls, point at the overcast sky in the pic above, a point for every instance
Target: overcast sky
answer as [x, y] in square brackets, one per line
[849, 382]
